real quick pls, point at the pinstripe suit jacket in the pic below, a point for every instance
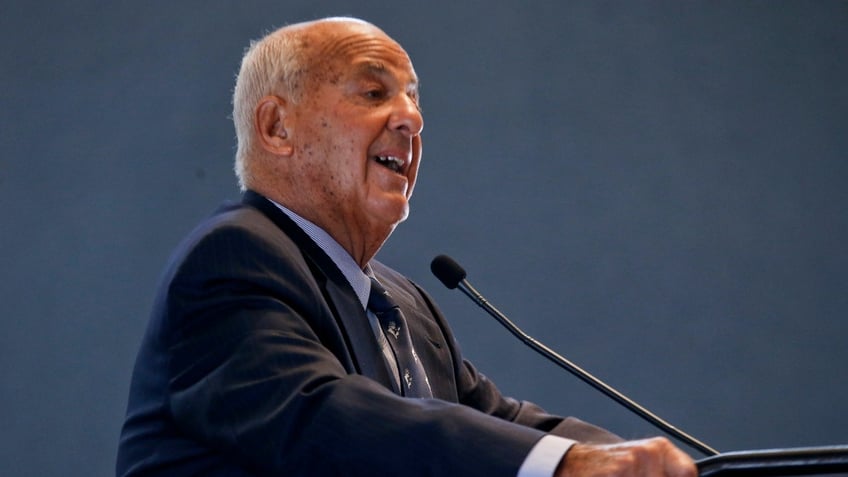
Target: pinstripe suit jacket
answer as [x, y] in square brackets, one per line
[259, 360]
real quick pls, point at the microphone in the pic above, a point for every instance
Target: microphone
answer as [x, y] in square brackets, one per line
[453, 276]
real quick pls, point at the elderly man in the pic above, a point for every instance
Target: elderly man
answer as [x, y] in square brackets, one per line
[278, 346]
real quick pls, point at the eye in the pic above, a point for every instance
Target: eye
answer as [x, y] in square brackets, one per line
[374, 92]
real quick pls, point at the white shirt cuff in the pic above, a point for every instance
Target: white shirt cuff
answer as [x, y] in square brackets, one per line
[545, 456]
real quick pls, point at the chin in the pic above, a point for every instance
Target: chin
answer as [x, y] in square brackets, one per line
[393, 211]
[394, 220]
[404, 213]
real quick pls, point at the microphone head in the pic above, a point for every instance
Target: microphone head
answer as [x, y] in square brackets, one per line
[447, 271]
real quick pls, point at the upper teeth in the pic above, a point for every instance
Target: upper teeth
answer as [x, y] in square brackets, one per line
[395, 162]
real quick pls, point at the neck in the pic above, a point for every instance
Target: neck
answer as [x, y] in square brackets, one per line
[365, 248]
[360, 240]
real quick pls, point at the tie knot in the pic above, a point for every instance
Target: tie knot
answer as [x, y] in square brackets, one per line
[379, 300]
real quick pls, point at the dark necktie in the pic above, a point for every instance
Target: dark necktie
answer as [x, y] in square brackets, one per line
[413, 379]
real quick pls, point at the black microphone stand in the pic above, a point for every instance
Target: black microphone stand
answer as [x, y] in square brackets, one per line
[601, 386]
[758, 463]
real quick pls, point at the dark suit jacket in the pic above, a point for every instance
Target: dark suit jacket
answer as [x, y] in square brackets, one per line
[259, 360]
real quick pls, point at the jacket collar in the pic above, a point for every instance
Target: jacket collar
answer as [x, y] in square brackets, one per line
[340, 296]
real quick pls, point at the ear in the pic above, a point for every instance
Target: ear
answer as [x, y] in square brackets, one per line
[270, 124]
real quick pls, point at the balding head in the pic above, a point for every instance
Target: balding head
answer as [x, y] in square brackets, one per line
[282, 63]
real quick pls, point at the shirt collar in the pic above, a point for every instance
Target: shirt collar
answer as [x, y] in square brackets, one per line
[359, 280]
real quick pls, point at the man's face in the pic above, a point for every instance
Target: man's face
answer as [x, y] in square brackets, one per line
[355, 133]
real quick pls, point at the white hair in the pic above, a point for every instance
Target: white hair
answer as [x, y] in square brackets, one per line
[271, 65]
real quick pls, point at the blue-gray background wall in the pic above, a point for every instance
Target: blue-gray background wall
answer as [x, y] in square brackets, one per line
[655, 189]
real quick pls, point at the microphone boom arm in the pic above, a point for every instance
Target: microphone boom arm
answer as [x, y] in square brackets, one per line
[572, 368]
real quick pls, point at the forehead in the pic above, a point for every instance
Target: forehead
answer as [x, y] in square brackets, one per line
[361, 49]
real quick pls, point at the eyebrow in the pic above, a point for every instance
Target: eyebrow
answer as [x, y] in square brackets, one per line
[378, 68]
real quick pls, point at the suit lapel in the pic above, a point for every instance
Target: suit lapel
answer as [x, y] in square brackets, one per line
[342, 300]
[360, 335]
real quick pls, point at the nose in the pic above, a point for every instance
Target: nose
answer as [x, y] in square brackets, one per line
[406, 116]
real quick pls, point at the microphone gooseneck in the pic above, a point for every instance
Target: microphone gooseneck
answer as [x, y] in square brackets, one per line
[453, 276]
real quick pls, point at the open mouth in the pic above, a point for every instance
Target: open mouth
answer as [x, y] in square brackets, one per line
[390, 162]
